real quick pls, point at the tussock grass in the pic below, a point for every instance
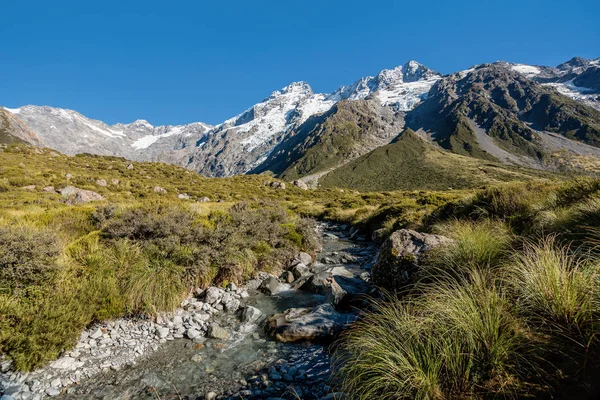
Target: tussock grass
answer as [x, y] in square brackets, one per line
[556, 288]
[454, 339]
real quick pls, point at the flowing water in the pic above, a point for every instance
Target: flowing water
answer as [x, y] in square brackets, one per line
[249, 364]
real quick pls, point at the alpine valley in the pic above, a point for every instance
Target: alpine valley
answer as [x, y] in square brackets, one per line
[492, 122]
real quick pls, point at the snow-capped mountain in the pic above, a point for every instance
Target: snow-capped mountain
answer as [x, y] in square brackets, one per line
[70, 132]
[233, 147]
[400, 88]
[577, 78]
[241, 143]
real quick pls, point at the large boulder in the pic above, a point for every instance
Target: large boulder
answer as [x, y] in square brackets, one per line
[400, 255]
[301, 185]
[305, 324]
[77, 196]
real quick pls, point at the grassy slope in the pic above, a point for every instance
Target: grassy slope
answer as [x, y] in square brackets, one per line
[409, 163]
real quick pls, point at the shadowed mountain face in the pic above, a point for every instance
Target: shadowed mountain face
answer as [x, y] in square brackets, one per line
[495, 112]
[348, 130]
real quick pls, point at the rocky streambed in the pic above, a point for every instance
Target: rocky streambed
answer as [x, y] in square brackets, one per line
[268, 339]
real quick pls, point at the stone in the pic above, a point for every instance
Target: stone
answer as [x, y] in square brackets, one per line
[66, 363]
[162, 332]
[49, 189]
[97, 334]
[278, 185]
[300, 185]
[287, 276]
[203, 199]
[77, 196]
[211, 396]
[345, 292]
[158, 189]
[300, 270]
[216, 332]
[197, 358]
[399, 257]
[232, 305]
[213, 295]
[101, 182]
[341, 271]
[192, 333]
[183, 196]
[305, 324]
[7, 397]
[303, 258]
[56, 383]
[251, 314]
[52, 392]
[69, 176]
[130, 166]
[272, 286]
[330, 236]
[232, 286]
[115, 181]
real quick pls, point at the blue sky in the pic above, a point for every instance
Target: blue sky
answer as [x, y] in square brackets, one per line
[174, 62]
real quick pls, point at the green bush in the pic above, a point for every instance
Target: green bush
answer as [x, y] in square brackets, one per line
[27, 257]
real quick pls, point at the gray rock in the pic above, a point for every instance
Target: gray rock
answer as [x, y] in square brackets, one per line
[49, 189]
[300, 270]
[97, 334]
[193, 333]
[52, 392]
[345, 292]
[213, 295]
[216, 332]
[304, 324]
[301, 185]
[211, 396]
[400, 255]
[303, 258]
[232, 305]
[158, 189]
[101, 182]
[115, 181]
[130, 166]
[272, 286]
[287, 276]
[251, 314]
[162, 332]
[78, 196]
[66, 363]
[203, 199]
[183, 196]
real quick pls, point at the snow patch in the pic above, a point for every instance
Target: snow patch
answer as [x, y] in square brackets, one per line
[148, 140]
[13, 110]
[527, 70]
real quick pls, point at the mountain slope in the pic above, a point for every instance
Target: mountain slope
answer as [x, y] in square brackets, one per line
[348, 130]
[494, 112]
[13, 130]
[71, 133]
[410, 163]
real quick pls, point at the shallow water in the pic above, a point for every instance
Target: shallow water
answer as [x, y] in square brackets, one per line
[181, 369]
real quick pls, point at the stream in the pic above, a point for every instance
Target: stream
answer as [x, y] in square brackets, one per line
[249, 365]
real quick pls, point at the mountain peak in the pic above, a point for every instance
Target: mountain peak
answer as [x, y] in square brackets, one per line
[297, 87]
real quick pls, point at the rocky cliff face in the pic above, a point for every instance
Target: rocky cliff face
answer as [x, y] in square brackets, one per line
[496, 112]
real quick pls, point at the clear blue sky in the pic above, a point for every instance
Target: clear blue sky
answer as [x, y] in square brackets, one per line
[174, 62]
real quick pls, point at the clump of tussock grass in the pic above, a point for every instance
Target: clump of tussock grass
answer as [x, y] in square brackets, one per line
[453, 339]
[556, 288]
[476, 245]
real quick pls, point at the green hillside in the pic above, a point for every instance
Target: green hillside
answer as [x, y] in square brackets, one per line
[409, 163]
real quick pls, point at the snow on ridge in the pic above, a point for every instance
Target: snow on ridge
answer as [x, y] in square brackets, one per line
[12, 110]
[148, 140]
[527, 70]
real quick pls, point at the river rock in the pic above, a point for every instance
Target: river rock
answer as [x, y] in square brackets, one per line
[213, 295]
[66, 363]
[251, 314]
[77, 196]
[192, 333]
[302, 258]
[399, 257]
[272, 286]
[232, 305]
[216, 332]
[300, 270]
[287, 276]
[298, 324]
[162, 332]
[345, 292]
